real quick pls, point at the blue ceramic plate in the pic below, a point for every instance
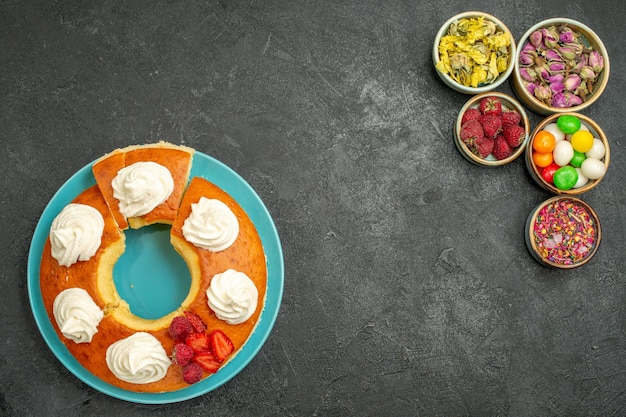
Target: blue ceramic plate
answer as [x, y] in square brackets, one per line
[144, 244]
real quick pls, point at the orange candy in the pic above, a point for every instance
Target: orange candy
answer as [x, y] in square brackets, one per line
[544, 142]
[542, 159]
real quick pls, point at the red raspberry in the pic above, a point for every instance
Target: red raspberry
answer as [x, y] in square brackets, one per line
[490, 105]
[492, 125]
[182, 354]
[514, 135]
[192, 373]
[470, 114]
[471, 132]
[501, 149]
[180, 328]
[510, 118]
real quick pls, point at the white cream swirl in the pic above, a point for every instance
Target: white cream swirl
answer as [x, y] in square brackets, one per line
[138, 359]
[76, 233]
[76, 314]
[141, 187]
[211, 225]
[232, 296]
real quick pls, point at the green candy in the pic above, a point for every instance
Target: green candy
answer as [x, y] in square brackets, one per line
[565, 177]
[577, 159]
[568, 124]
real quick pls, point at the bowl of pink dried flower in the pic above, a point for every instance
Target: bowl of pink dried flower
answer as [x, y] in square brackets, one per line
[563, 232]
[561, 66]
[491, 129]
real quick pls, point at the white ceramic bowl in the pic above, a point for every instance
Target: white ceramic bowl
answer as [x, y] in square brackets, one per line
[589, 38]
[448, 80]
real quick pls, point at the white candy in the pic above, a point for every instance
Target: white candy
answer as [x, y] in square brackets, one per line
[582, 180]
[556, 132]
[563, 153]
[597, 150]
[593, 168]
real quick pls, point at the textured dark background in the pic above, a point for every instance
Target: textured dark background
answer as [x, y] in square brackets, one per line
[408, 286]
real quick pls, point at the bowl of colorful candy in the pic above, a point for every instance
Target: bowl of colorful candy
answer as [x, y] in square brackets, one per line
[491, 129]
[563, 232]
[561, 66]
[473, 52]
[567, 153]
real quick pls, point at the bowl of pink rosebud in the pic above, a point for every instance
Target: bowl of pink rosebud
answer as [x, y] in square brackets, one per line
[561, 66]
[491, 129]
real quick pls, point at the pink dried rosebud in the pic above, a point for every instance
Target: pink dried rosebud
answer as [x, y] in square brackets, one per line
[566, 99]
[556, 67]
[567, 35]
[596, 61]
[527, 55]
[536, 39]
[550, 37]
[543, 93]
[528, 74]
[552, 55]
[543, 72]
[531, 88]
[587, 73]
[568, 52]
[572, 82]
[556, 78]
[557, 87]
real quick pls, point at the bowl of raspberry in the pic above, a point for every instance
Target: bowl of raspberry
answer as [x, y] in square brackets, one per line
[492, 129]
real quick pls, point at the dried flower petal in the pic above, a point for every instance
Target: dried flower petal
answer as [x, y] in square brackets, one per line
[587, 73]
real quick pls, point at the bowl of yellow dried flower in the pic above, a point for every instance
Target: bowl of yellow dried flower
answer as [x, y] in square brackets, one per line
[474, 52]
[561, 66]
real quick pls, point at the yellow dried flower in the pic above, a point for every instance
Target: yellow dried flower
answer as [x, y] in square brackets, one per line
[474, 51]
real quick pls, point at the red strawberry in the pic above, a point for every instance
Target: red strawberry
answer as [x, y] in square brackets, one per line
[514, 135]
[192, 373]
[510, 118]
[182, 354]
[221, 345]
[179, 328]
[470, 114]
[471, 132]
[490, 105]
[492, 125]
[196, 322]
[207, 361]
[199, 342]
[484, 148]
[501, 148]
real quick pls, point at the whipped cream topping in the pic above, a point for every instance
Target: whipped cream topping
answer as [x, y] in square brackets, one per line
[141, 187]
[211, 225]
[232, 296]
[138, 359]
[77, 315]
[76, 233]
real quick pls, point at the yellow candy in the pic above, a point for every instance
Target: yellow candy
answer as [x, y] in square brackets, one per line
[582, 141]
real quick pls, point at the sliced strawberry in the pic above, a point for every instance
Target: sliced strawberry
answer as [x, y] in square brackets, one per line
[196, 322]
[207, 361]
[199, 342]
[220, 344]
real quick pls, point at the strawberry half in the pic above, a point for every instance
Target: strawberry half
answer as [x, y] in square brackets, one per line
[199, 342]
[207, 361]
[196, 322]
[220, 345]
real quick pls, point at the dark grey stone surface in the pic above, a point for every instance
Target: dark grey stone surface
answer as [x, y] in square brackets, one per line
[408, 286]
